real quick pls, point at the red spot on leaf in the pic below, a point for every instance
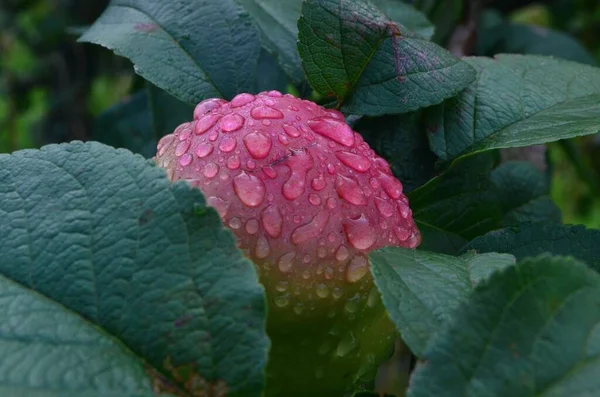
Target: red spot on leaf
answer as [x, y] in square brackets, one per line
[146, 27]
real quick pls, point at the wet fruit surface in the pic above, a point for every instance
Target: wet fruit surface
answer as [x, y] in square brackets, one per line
[307, 200]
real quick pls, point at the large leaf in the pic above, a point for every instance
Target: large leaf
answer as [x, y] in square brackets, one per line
[106, 235]
[438, 240]
[516, 38]
[167, 112]
[421, 290]
[373, 66]
[461, 201]
[530, 330]
[517, 101]
[523, 194]
[534, 239]
[402, 141]
[192, 49]
[48, 351]
[277, 21]
[407, 15]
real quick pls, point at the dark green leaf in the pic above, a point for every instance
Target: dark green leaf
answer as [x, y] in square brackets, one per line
[192, 49]
[523, 194]
[372, 65]
[48, 351]
[530, 330]
[445, 15]
[421, 290]
[277, 21]
[128, 124]
[168, 112]
[402, 141]
[517, 101]
[526, 39]
[269, 75]
[461, 201]
[534, 239]
[406, 15]
[108, 236]
[438, 240]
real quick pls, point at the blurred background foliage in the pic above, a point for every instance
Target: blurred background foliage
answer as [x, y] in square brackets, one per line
[53, 89]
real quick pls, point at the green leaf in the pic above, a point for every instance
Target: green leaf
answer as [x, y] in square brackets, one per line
[406, 15]
[167, 111]
[530, 330]
[277, 21]
[269, 74]
[445, 15]
[421, 290]
[372, 65]
[192, 49]
[517, 101]
[106, 235]
[69, 356]
[128, 125]
[402, 141]
[523, 194]
[438, 240]
[461, 201]
[534, 239]
[517, 38]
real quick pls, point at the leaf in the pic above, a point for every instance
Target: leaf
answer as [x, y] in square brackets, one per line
[530, 330]
[270, 76]
[402, 141]
[406, 15]
[461, 201]
[445, 15]
[37, 335]
[529, 240]
[523, 194]
[372, 65]
[167, 112]
[438, 240]
[517, 101]
[277, 21]
[104, 234]
[421, 290]
[528, 39]
[127, 124]
[194, 49]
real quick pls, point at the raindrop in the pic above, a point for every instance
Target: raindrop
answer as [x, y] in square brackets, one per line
[346, 345]
[272, 221]
[357, 269]
[355, 161]
[227, 144]
[205, 123]
[235, 223]
[311, 229]
[291, 131]
[322, 291]
[204, 149]
[241, 100]
[182, 148]
[342, 253]
[386, 209]
[164, 144]
[233, 163]
[274, 94]
[333, 129]
[360, 233]
[318, 183]
[232, 122]
[185, 134]
[401, 233]
[249, 189]
[262, 247]
[206, 106]
[391, 185]
[331, 169]
[314, 199]
[250, 164]
[219, 204]
[186, 159]
[252, 226]
[258, 145]
[270, 172]
[265, 112]
[286, 262]
[282, 300]
[299, 164]
[282, 286]
[349, 190]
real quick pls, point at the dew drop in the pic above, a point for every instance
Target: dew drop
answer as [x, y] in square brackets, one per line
[299, 164]
[404, 210]
[265, 122]
[213, 135]
[164, 144]
[391, 185]
[210, 170]
[258, 145]
[250, 164]
[374, 183]
[232, 122]
[185, 134]
[262, 247]
[342, 253]
[322, 291]
[337, 293]
[205, 123]
[282, 286]
[357, 269]
[233, 162]
[355, 161]
[401, 233]
[331, 169]
[349, 190]
[286, 262]
[252, 226]
[274, 94]
[185, 160]
[314, 199]
[331, 203]
[249, 189]
[291, 131]
[270, 172]
[386, 209]
[294, 108]
[241, 100]
[235, 223]
[272, 221]
[334, 129]
[182, 147]
[283, 139]
[306, 259]
[373, 298]
[318, 183]
[204, 149]
[347, 345]
[310, 230]
[329, 273]
[298, 308]
[206, 106]
[321, 252]
[227, 144]
[360, 233]
[336, 114]
[265, 112]
[219, 204]
[282, 300]
[306, 274]
[352, 305]
[269, 102]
